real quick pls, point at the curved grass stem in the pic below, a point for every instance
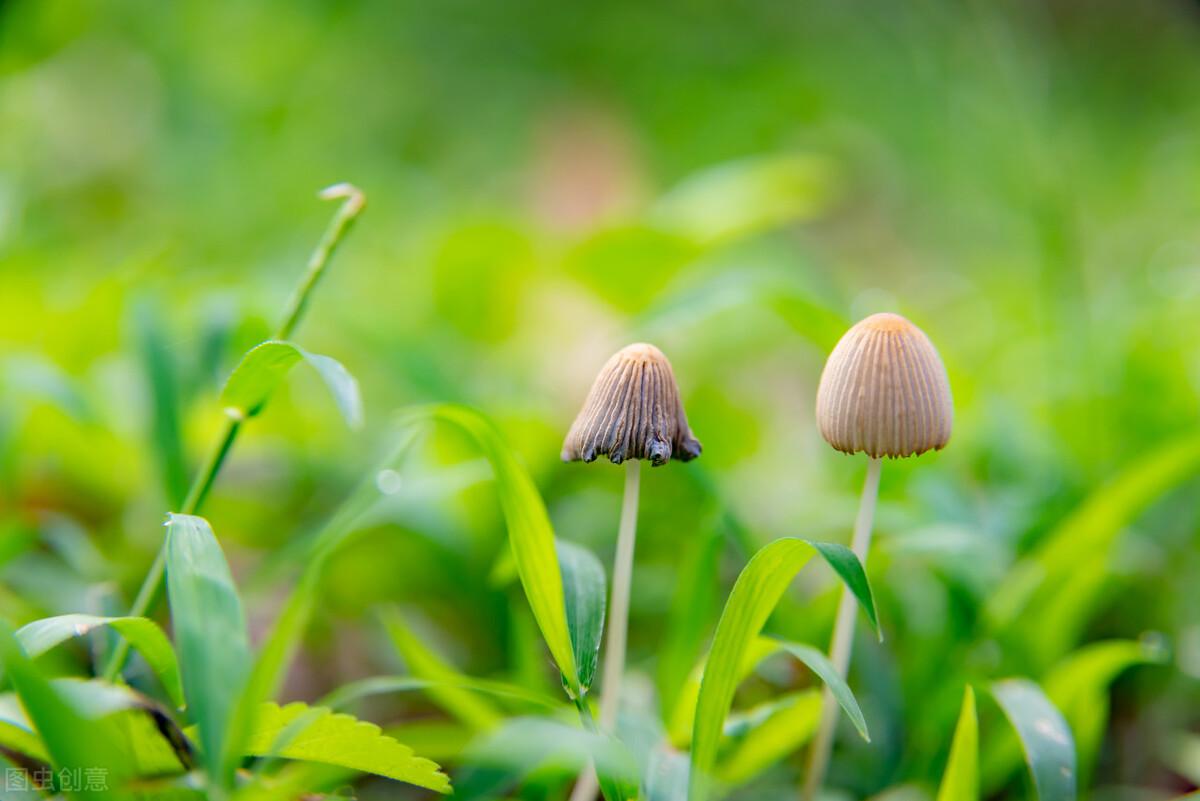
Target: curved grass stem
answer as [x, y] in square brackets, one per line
[149, 592]
[843, 637]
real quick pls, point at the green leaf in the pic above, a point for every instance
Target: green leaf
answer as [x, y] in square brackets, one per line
[143, 634]
[530, 534]
[1045, 737]
[210, 632]
[315, 734]
[960, 782]
[1062, 578]
[16, 732]
[741, 198]
[73, 739]
[757, 590]
[768, 734]
[850, 571]
[264, 367]
[585, 588]
[666, 776]
[465, 705]
[377, 685]
[818, 663]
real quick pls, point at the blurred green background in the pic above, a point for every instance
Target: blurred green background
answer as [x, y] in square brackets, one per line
[547, 182]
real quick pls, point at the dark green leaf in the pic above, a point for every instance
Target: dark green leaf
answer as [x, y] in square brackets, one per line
[1045, 737]
[585, 588]
[818, 663]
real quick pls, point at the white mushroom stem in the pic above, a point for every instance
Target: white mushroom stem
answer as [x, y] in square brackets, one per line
[843, 637]
[618, 623]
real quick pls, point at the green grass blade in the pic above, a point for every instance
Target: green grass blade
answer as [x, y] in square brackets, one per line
[769, 734]
[755, 593]
[850, 571]
[423, 663]
[349, 693]
[210, 632]
[818, 663]
[530, 534]
[143, 634]
[265, 366]
[1045, 738]
[74, 740]
[585, 587]
[960, 781]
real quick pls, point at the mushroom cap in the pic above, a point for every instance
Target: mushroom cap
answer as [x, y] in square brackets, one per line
[633, 411]
[884, 391]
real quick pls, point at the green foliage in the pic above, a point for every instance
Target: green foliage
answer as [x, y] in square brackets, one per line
[1045, 738]
[586, 589]
[755, 594]
[265, 366]
[210, 633]
[960, 781]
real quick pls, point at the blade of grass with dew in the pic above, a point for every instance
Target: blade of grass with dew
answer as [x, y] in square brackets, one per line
[960, 781]
[73, 740]
[210, 632]
[771, 733]
[755, 593]
[423, 663]
[265, 366]
[1045, 738]
[585, 588]
[530, 534]
[142, 633]
[1051, 579]
[334, 738]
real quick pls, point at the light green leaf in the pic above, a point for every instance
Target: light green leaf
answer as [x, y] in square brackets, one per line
[768, 734]
[754, 596]
[16, 732]
[960, 781]
[314, 734]
[423, 663]
[73, 740]
[264, 367]
[210, 632]
[1045, 737]
[529, 531]
[378, 685]
[585, 588]
[143, 634]
[1065, 574]
[741, 198]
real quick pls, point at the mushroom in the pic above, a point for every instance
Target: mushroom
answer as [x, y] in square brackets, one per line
[632, 412]
[883, 392]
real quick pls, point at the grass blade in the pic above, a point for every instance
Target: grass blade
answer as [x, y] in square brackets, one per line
[818, 663]
[264, 367]
[960, 782]
[210, 632]
[771, 733]
[143, 634]
[585, 588]
[530, 534]
[1045, 737]
[377, 685]
[757, 590]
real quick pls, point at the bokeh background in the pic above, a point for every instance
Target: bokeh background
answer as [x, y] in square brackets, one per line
[547, 182]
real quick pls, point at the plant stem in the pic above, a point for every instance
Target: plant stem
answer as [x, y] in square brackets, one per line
[149, 592]
[618, 617]
[843, 636]
[618, 626]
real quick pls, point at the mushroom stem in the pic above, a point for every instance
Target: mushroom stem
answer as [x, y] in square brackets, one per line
[618, 616]
[843, 636]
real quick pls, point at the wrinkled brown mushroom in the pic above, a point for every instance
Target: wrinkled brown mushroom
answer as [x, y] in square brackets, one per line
[884, 392]
[633, 411]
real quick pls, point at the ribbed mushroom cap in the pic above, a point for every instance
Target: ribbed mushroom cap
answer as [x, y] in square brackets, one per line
[633, 411]
[884, 391]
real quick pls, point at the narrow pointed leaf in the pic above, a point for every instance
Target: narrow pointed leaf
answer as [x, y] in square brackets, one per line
[265, 366]
[818, 663]
[530, 534]
[770, 734]
[755, 594]
[960, 782]
[585, 588]
[143, 634]
[210, 632]
[1045, 738]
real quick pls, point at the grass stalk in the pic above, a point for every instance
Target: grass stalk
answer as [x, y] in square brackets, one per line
[148, 594]
[843, 637]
